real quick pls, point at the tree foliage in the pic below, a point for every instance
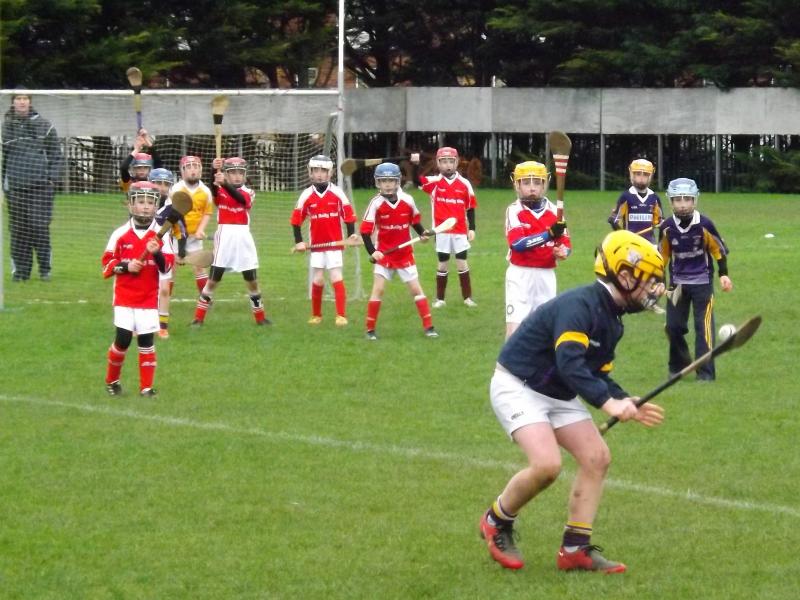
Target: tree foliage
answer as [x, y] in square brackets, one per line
[241, 43]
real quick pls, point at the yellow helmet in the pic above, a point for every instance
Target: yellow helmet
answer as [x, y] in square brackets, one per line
[624, 250]
[641, 165]
[530, 168]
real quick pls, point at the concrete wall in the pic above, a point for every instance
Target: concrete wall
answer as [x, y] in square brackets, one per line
[500, 110]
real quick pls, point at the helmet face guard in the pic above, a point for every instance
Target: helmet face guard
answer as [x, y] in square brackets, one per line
[447, 160]
[235, 170]
[320, 168]
[387, 178]
[641, 173]
[683, 188]
[526, 177]
[191, 168]
[625, 252]
[143, 199]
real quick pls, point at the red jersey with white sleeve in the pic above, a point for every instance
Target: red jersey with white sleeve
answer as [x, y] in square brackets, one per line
[325, 212]
[229, 210]
[392, 223]
[450, 198]
[135, 290]
[521, 222]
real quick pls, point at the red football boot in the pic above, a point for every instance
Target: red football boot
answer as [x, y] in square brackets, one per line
[500, 541]
[587, 558]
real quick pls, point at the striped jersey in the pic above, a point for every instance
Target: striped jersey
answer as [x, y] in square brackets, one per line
[325, 212]
[135, 290]
[566, 346]
[450, 198]
[690, 249]
[635, 212]
[521, 222]
[392, 222]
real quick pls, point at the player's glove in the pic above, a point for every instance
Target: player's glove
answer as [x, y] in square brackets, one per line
[557, 230]
[612, 220]
[429, 233]
[182, 248]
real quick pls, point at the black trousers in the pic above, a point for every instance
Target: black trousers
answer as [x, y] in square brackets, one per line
[30, 211]
[700, 300]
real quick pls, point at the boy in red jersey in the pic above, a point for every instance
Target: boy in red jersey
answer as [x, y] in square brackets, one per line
[326, 206]
[536, 239]
[234, 248]
[390, 215]
[451, 196]
[136, 286]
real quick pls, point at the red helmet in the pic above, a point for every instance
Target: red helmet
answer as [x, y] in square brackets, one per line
[236, 163]
[141, 159]
[446, 152]
[144, 213]
[185, 160]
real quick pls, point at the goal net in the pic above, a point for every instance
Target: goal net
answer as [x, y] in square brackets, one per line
[276, 131]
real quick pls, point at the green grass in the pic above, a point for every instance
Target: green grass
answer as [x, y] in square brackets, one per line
[304, 462]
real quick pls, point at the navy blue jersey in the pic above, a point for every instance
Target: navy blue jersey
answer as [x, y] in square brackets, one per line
[566, 346]
[635, 212]
[690, 250]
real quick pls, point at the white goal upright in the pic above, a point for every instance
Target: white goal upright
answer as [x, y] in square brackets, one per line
[276, 131]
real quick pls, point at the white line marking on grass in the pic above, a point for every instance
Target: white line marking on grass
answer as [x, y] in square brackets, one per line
[402, 451]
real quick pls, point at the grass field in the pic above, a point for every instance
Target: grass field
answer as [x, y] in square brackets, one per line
[302, 462]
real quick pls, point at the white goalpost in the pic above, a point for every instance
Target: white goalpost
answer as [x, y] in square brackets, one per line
[276, 131]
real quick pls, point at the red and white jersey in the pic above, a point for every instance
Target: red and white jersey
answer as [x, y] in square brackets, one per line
[392, 224]
[325, 212]
[450, 198]
[231, 212]
[135, 290]
[521, 222]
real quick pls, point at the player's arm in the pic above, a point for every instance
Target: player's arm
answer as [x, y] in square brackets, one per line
[366, 235]
[529, 242]
[124, 168]
[616, 214]
[471, 219]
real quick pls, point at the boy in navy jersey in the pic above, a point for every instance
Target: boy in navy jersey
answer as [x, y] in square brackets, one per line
[638, 208]
[689, 241]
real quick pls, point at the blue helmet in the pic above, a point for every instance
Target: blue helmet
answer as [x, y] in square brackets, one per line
[387, 170]
[683, 187]
[161, 175]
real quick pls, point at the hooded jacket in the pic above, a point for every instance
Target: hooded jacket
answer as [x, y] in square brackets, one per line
[31, 150]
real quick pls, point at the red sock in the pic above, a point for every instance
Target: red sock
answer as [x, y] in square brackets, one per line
[147, 367]
[340, 295]
[424, 311]
[373, 308]
[258, 308]
[201, 280]
[316, 299]
[203, 304]
[115, 359]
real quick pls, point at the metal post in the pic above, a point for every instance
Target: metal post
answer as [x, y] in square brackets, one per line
[493, 156]
[602, 162]
[660, 161]
[717, 163]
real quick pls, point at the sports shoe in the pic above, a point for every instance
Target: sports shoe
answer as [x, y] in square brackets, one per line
[371, 335]
[587, 558]
[439, 303]
[196, 323]
[500, 541]
[314, 320]
[658, 310]
[263, 322]
[431, 333]
[148, 393]
[163, 334]
[341, 320]
[114, 388]
[470, 303]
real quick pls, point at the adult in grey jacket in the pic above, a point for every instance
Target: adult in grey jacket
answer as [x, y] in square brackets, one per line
[32, 166]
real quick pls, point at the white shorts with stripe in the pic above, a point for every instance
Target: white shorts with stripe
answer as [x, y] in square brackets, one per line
[526, 289]
[137, 320]
[407, 274]
[329, 259]
[234, 248]
[517, 405]
[452, 243]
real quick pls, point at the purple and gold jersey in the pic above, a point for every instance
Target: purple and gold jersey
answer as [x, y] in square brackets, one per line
[690, 250]
[635, 213]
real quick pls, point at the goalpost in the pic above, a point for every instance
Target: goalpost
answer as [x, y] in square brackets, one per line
[276, 131]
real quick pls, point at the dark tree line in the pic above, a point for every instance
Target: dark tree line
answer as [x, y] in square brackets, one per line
[271, 43]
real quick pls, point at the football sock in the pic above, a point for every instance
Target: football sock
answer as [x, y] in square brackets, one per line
[441, 284]
[373, 308]
[258, 308]
[115, 359]
[576, 534]
[424, 311]
[203, 304]
[316, 299]
[340, 297]
[466, 284]
[498, 516]
[147, 367]
[200, 281]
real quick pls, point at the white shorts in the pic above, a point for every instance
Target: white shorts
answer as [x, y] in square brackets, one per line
[451, 243]
[526, 289]
[137, 320]
[234, 248]
[193, 244]
[406, 275]
[329, 259]
[517, 405]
